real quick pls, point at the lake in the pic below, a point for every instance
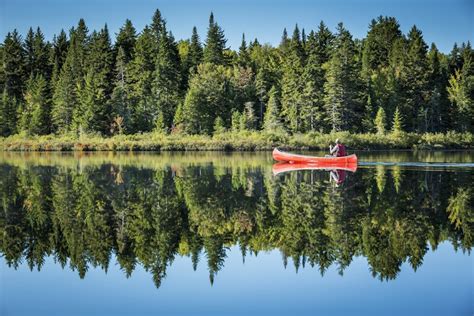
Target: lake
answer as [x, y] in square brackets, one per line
[232, 234]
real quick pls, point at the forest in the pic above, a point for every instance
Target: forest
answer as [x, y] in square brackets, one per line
[87, 211]
[146, 81]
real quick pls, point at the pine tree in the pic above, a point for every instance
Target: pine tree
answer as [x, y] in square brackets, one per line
[397, 124]
[93, 113]
[244, 57]
[317, 48]
[12, 82]
[461, 92]
[292, 89]
[34, 115]
[126, 39]
[120, 99]
[215, 44]
[58, 55]
[14, 74]
[272, 122]
[195, 51]
[37, 54]
[341, 101]
[8, 114]
[438, 114]
[166, 83]
[379, 121]
[64, 98]
[416, 82]
[219, 127]
[71, 76]
[140, 78]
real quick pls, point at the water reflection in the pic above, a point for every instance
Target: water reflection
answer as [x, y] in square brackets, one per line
[148, 210]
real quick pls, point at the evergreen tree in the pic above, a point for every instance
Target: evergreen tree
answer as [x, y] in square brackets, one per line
[71, 76]
[379, 121]
[215, 44]
[12, 79]
[195, 51]
[34, 115]
[126, 39]
[397, 124]
[93, 113]
[8, 114]
[37, 54]
[438, 116]
[272, 122]
[58, 55]
[219, 127]
[341, 101]
[461, 92]
[317, 48]
[244, 57]
[120, 99]
[166, 83]
[140, 78]
[13, 74]
[415, 82]
[292, 89]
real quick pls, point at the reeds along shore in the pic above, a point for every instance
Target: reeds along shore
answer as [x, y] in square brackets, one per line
[235, 141]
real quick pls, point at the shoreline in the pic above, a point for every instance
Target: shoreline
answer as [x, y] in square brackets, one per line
[234, 142]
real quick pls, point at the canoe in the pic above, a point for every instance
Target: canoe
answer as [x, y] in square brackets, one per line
[318, 161]
[282, 167]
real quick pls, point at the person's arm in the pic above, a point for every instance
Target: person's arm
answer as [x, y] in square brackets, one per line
[333, 149]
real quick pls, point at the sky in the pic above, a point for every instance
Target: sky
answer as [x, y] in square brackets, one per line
[442, 21]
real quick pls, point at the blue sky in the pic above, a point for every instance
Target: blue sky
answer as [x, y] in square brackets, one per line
[442, 21]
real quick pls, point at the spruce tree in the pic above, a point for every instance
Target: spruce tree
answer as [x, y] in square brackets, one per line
[380, 121]
[244, 58]
[195, 54]
[397, 123]
[272, 121]
[126, 39]
[166, 82]
[317, 50]
[292, 89]
[120, 98]
[416, 82]
[215, 43]
[342, 103]
[140, 78]
[34, 115]
[58, 55]
[14, 74]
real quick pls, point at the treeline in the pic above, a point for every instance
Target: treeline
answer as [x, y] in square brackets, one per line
[147, 81]
[83, 214]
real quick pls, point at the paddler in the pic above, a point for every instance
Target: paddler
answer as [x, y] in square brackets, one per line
[339, 150]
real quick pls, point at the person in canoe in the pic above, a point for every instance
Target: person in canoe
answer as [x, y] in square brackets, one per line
[339, 150]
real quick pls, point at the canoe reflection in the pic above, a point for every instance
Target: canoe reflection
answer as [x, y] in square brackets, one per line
[336, 176]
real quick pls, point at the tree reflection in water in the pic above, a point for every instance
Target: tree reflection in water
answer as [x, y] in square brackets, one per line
[83, 212]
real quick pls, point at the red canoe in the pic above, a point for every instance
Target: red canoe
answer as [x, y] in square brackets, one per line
[317, 161]
[282, 167]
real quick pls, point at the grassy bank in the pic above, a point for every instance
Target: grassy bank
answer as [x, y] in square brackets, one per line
[243, 141]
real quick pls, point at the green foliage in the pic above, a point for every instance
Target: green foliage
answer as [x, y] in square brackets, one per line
[219, 127]
[397, 124]
[148, 82]
[272, 121]
[34, 116]
[215, 44]
[147, 211]
[342, 85]
[380, 121]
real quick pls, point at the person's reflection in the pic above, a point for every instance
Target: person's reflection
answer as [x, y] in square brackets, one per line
[337, 176]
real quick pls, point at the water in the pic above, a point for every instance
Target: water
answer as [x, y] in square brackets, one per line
[220, 234]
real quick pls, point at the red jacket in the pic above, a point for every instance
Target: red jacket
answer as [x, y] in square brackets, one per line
[341, 150]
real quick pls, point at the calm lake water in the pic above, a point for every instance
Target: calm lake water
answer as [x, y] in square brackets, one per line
[223, 234]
